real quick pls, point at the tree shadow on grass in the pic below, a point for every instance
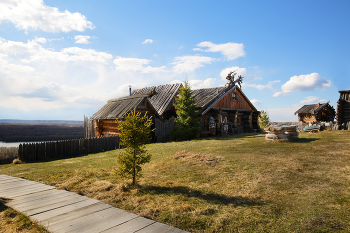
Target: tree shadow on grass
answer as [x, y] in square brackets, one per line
[304, 140]
[209, 197]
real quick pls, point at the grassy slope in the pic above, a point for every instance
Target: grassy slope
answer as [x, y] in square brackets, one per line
[255, 185]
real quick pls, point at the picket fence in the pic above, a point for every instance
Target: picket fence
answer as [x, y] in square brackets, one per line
[66, 148]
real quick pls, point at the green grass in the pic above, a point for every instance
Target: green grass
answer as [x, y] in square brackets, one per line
[252, 185]
[12, 221]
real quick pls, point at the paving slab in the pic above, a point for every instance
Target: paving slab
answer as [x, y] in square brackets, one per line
[49, 215]
[27, 191]
[46, 194]
[61, 211]
[133, 225]
[156, 228]
[73, 214]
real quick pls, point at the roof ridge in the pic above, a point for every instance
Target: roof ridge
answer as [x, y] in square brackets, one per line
[128, 97]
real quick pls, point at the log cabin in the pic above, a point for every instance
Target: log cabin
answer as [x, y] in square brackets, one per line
[343, 110]
[229, 108]
[316, 113]
[156, 102]
[223, 110]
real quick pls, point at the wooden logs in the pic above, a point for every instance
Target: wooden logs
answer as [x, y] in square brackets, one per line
[282, 134]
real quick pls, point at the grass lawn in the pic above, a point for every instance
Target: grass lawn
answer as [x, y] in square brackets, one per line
[11, 221]
[233, 184]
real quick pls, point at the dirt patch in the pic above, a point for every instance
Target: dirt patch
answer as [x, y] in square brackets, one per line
[195, 157]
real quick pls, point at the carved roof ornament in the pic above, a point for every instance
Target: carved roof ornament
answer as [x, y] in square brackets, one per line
[231, 80]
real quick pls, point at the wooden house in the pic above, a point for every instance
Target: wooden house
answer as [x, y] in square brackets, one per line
[157, 102]
[228, 107]
[343, 110]
[316, 113]
[223, 110]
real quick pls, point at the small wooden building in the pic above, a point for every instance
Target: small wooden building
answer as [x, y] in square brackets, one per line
[343, 110]
[228, 107]
[316, 113]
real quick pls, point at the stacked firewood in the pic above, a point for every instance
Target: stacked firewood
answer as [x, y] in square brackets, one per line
[282, 133]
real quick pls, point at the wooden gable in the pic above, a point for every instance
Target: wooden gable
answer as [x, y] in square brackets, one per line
[235, 99]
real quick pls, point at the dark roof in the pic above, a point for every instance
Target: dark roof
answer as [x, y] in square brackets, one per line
[116, 108]
[345, 91]
[311, 108]
[206, 98]
[162, 99]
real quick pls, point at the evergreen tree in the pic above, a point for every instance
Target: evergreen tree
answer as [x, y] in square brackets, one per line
[135, 132]
[187, 123]
[264, 120]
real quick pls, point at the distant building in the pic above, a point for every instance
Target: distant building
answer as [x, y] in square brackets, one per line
[316, 113]
[343, 110]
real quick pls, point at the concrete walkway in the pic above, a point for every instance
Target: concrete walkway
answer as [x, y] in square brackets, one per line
[63, 211]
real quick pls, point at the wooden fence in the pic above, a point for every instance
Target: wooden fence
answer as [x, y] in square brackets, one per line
[66, 148]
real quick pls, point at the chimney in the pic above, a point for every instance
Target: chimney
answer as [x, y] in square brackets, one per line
[129, 89]
[318, 104]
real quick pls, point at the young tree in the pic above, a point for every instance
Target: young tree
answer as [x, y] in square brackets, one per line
[135, 132]
[264, 119]
[187, 123]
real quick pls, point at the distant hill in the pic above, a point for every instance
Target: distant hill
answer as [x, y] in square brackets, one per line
[38, 122]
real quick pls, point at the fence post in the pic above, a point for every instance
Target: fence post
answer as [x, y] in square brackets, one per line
[20, 151]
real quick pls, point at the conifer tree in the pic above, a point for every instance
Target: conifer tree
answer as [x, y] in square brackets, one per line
[135, 132]
[264, 120]
[187, 123]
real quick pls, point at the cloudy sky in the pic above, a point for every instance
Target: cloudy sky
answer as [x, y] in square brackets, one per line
[62, 59]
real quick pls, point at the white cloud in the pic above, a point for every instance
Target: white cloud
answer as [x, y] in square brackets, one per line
[310, 99]
[255, 102]
[190, 63]
[58, 39]
[136, 64]
[284, 114]
[308, 82]
[199, 84]
[198, 49]
[38, 53]
[148, 41]
[277, 94]
[260, 86]
[80, 39]
[40, 40]
[34, 14]
[230, 50]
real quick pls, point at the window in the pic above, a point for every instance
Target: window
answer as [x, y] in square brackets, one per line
[234, 96]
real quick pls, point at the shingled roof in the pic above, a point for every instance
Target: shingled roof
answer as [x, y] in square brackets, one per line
[311, 108]
[116, 108]
[162, 96]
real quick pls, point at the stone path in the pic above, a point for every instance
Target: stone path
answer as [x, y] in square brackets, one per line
[63, 211]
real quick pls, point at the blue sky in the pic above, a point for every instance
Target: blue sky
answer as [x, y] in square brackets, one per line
[62, 59]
